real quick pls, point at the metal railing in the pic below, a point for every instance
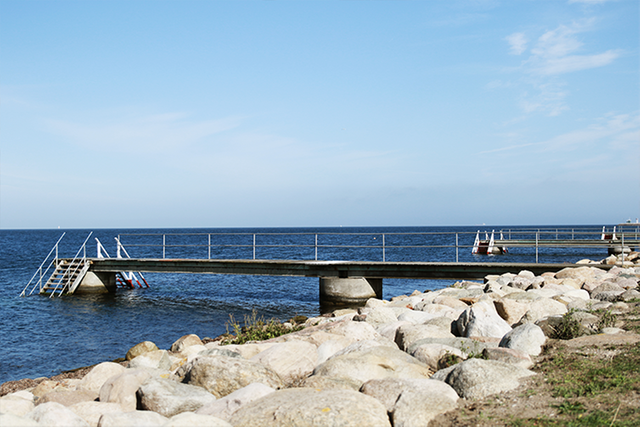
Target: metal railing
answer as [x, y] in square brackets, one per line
[308, 245]
[43, 271]
[74, 267]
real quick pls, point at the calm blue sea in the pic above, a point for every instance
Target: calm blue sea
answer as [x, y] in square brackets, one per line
[43, 336]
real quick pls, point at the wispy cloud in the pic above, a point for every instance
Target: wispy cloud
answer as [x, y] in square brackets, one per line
[555, 52]
[517, 42]
[622, 132]
[142, 133]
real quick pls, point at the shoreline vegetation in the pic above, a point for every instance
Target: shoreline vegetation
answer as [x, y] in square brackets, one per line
[560, 349]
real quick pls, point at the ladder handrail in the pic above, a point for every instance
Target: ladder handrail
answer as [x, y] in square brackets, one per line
[39, 270]
[83, 248]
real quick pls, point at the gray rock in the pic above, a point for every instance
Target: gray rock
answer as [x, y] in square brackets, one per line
[169, 398]
[132, 418]
[478, 378]
[53, 414]
[219, 351]
[308, 407]
[527, 338]
[373, 363]
[629, 295]
[226, 406]
[222, 375]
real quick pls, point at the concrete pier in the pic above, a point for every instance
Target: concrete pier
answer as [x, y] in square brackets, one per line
[351, 291]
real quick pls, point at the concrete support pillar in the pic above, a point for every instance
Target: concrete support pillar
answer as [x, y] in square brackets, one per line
[97, 283]
[351, 291]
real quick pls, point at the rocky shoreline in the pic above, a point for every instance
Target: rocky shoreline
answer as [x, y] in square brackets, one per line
[404, 362]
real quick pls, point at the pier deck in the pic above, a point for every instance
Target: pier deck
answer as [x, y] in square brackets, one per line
[330, 269]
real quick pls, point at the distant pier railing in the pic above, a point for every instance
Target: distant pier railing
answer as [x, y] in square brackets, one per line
[351, 246]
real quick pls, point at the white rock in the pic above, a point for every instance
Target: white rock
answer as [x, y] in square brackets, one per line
[431, 353]
[309, 407]
[11, 420]
[18, 404]
[482, 320]
[122, 388]
[99, 374]
[226, 406]
[527, 338]
[169, 398]
[380, 315]
[53, 414]
[543, 307]
[290, 360]
[184, 342]
[408, 334]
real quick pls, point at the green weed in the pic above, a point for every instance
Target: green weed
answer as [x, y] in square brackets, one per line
[256, 329]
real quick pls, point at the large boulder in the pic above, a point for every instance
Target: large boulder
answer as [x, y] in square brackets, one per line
[373, 363]
[291, 360]
[508, 355]
[482, 320]
[478, 378]
[222, 375]
[99, 374]
[528, 338]
[226, 406]
[54, 414]
[309, 407]
[168, 398]
[122, 388]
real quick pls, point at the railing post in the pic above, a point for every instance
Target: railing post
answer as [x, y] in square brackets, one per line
[537, 233]
[209, 247]
[456, 247]
[316, 247]
[163, 245]
[384, 250]
[254, 246]
[622, 248]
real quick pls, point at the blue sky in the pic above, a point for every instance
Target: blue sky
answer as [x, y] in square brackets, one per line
[318, 113]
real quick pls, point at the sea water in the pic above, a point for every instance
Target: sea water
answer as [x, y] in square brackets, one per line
[44, 336]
